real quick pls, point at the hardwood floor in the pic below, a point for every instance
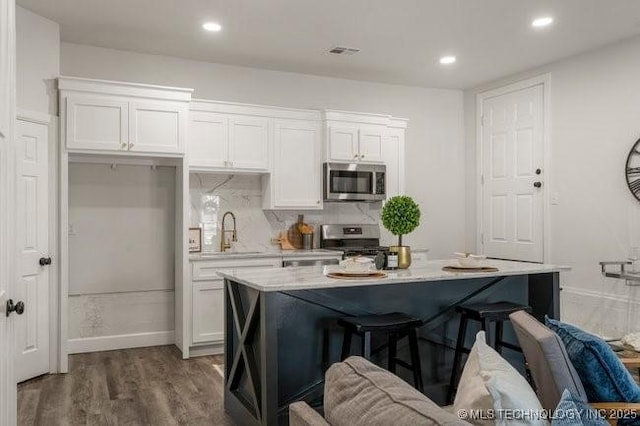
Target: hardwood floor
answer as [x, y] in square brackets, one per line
[145, 386]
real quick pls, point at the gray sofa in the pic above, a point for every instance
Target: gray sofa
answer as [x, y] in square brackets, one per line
[359, 393]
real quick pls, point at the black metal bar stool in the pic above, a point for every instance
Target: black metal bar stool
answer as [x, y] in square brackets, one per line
[485, 313]
[395, 325]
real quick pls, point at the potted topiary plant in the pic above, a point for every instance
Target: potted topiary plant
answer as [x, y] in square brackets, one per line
[400, 216]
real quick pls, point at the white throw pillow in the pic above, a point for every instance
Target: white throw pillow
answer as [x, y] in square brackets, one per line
[489, 382]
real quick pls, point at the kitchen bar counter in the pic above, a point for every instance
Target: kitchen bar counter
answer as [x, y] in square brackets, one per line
[308, 278]
[281, 328]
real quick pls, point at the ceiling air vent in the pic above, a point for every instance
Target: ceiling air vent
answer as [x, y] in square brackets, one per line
[341, 50]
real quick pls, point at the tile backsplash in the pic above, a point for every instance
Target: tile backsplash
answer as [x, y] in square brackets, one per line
[214, 194]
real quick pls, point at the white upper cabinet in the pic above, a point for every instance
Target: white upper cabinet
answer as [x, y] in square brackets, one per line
[370, 145]
[393, 157]
[97, 123]
[354, 137]
[296, 180]
[122, 117]
[208, 140]
[249, 143]
[228, 137]
[343, 143]
[157, 126]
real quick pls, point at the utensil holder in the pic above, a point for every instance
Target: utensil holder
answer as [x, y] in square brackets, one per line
[307, 241]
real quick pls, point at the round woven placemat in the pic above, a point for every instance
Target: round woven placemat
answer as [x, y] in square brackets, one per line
[364, 276]
[461, 269]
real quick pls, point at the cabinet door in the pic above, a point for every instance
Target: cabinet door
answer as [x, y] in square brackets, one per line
[249, 143]
[96, 123]
[208, 140]
[208, 312]
[391, 157]
[158, 127]
[343, 144]
[297, 168]
[370, 145]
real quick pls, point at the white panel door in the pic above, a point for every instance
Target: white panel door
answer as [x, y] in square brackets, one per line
[157, 127]
[249, 143]
[512, 192]
[8, 388]
[208, 312]
[370, 145]
[297, 169]
[208, 140]
[343, 144]
[97, 123]
[32, 328]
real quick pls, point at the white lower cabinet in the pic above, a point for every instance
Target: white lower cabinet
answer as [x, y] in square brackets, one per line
[207, 298]
[208, 312]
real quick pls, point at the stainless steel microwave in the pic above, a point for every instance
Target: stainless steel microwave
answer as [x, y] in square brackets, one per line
[354, 182]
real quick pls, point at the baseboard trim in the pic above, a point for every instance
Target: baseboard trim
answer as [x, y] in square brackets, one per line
[213, 349]
[121, 341]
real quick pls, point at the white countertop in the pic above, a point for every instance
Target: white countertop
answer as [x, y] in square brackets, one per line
[312, 277]
[315, 253]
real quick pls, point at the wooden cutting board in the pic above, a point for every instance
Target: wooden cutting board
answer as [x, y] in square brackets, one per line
[478, 269]
[293, 234]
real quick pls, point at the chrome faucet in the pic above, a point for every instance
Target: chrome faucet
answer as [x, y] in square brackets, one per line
[234, 234]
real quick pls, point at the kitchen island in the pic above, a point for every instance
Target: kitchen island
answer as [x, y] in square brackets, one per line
[280, 331]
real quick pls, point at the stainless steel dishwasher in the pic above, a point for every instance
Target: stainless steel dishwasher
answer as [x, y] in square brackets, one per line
[309, 262]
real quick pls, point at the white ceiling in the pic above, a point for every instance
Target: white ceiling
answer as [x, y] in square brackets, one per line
[401, 40]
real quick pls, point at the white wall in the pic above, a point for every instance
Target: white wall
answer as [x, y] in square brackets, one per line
[38, 62]
[121, 254]
[595, 119]
[434, 149]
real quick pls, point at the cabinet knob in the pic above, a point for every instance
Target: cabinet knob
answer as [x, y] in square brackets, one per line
[318, 202]
[124, 145]
[355, 156]
[362, 156]
[131, 145]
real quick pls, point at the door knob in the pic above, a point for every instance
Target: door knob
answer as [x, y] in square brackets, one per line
[538, 171]
[18, 308]
[537, 184]
[45, 261]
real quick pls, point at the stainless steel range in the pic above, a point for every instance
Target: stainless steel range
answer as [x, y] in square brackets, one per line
[353, 240]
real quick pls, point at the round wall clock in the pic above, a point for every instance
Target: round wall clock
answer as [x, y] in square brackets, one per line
[632, 170]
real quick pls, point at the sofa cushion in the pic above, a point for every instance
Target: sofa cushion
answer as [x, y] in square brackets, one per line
[490, 384]
[359, 393]
[548, 360]
[573, 411]
[603, 375]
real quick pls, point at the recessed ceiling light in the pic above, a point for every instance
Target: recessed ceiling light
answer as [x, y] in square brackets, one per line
[212, 26]
[544, 21]
[447, 60]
